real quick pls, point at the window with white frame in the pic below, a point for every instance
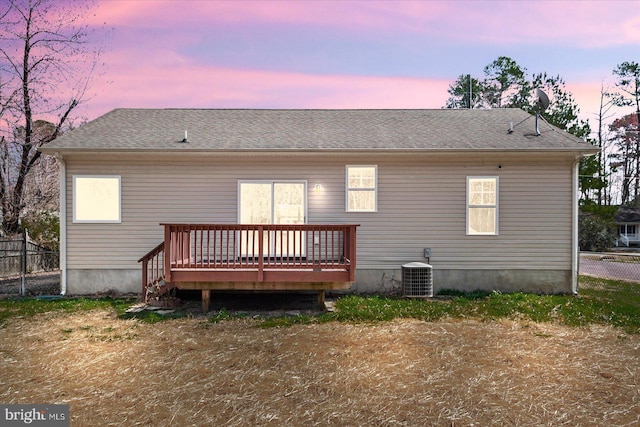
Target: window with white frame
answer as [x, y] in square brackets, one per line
[627, 229]
[361, 188]
[96, 198]
[482, 205]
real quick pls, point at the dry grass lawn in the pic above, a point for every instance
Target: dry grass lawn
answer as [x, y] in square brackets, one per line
[404, 373]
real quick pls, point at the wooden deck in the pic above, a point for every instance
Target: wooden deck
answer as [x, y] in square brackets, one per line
[251, 257]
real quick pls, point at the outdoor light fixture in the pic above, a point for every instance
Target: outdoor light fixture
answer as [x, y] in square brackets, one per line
[318, 188]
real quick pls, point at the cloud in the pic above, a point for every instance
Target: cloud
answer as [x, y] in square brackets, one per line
[581, 24]
[191, 86]
[336, 54]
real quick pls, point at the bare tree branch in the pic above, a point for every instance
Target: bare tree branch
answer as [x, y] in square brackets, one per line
[41, 46]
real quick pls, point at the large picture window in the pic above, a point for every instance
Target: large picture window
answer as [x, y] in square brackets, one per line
[361, 194]
[96, 198]
[482, 205]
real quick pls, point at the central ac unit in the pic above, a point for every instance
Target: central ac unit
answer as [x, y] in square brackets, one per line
[417, 280]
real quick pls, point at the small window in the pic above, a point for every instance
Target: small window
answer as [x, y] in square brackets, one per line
[361, 194]
[482, 205]
[96, 198]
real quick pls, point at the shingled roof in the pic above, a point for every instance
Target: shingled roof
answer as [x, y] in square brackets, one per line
[627, 215]
[315, 130]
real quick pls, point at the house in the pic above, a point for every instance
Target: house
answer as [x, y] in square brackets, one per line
[490, 200]
[628, 222]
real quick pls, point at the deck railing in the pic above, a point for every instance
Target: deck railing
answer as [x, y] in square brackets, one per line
[152, 269]
[259, 252]
[624, 239]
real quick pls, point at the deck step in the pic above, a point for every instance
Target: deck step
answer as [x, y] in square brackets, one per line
[158, 288]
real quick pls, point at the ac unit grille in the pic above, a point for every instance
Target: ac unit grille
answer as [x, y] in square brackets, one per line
[417, 280]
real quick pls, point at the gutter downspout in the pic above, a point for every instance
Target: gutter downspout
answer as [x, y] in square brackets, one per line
[575, 250]
[63, 224]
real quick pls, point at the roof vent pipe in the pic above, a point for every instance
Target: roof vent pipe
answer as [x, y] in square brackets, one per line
[186, 138]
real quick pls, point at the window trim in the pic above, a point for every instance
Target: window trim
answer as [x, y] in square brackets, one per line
[629, 229]
[494, 206]
[75, 200]
[348, 189]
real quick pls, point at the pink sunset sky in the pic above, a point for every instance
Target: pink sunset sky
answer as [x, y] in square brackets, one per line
[347, 54]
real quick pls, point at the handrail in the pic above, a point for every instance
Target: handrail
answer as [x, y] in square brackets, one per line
[260, 248]
[625, 239]
[153, 252]
[153, 271]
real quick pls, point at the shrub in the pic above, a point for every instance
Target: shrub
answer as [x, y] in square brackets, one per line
[44, 228]
[595, 234]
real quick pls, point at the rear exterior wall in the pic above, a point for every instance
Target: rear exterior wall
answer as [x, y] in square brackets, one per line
[421, 204]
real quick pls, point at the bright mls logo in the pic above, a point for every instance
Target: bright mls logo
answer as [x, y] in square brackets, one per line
[36, 415]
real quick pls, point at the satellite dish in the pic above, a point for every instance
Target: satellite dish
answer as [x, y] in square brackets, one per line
[542, 101]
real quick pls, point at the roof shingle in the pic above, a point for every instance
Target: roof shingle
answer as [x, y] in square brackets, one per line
[315, 130]
[627, 215]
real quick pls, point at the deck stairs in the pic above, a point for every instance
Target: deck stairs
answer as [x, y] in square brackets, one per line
[153, 275]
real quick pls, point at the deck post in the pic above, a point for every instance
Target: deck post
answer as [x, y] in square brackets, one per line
[206, 300]
[352, 253]
[168, 252]
[321, 295]
[145, 279]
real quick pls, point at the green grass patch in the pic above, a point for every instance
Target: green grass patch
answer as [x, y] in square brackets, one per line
[223, 315]
[605, 302]
[28, 307]
[151, 316]
[610, 302]
[600, 301]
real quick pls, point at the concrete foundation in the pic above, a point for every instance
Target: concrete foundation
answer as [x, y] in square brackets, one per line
[86, 282]
[532, 281]
[83, 282]
[377, 282]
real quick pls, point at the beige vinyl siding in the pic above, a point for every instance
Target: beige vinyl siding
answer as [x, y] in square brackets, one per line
[425, 207]
[421, 203]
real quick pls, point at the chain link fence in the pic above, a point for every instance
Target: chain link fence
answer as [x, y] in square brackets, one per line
[27, 268]
[611, 265]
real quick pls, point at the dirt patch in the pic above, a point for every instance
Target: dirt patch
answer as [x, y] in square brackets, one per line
[402, 373]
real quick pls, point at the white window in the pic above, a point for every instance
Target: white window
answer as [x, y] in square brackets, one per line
[96, 198]
[361, 194]
[482, 205]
